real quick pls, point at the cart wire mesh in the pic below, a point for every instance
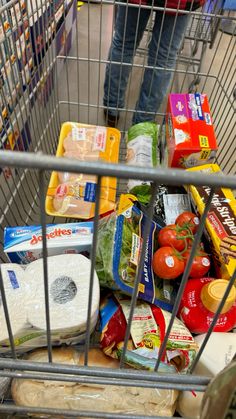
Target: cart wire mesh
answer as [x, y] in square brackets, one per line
[65, 54]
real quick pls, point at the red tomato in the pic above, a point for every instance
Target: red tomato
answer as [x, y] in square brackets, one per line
[200, 266]
[167, 264]
[170, 236]
[188, 220]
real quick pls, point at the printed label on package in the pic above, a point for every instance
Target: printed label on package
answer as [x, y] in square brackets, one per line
[100, 139]
[90, 192]
[135, 249]
[203, 141]
[199, 106]
[13, 279]
[78, 134]
[205, 154]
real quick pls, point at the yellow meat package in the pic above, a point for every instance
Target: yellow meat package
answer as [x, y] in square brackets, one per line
[220, 223]
[73, 194]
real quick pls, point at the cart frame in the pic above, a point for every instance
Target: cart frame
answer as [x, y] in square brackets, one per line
[26, 172]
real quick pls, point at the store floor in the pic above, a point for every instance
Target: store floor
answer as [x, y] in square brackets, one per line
[95, 25]
[82, 81]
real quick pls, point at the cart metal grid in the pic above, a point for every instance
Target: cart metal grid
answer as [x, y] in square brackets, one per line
[26, 173]
[201, 32]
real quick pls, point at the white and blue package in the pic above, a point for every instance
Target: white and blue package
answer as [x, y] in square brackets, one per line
[24, 244]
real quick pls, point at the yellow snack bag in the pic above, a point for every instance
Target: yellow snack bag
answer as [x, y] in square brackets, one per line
[220, 223]
[73, 194]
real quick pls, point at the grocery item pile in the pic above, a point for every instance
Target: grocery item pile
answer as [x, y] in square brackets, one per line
[189, 143]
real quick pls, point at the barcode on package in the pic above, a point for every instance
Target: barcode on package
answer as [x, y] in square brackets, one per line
[13, 279]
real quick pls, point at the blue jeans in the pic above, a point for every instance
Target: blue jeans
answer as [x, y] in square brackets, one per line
[167, 36]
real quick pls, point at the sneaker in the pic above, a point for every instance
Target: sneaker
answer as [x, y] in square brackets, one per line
[111, 120]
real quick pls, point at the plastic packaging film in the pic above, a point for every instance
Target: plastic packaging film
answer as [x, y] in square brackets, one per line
[15, 287]
[68, 283]
[71, 194]
[99, 398]
[4, 386]
[147, 330]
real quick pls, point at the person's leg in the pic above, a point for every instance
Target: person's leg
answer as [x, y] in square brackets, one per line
[168, 32]
[129, 28]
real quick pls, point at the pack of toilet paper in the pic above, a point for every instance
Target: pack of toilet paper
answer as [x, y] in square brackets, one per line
[68, 291]
[24, 244]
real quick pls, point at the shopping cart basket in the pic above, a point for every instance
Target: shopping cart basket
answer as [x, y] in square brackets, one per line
[201, 33]
[52, 71]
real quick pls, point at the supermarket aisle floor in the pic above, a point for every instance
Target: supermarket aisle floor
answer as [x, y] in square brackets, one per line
[83, 81]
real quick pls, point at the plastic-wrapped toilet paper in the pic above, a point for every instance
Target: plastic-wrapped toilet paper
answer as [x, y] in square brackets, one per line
[15, 286]
[218, 353]
[68, 284]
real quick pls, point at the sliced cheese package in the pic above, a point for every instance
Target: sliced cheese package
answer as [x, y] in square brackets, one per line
[220, 223]
[73, 194]
[148, 328]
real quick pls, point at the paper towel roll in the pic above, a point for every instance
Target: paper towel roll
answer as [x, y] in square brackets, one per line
[68, 284]
[15, 286]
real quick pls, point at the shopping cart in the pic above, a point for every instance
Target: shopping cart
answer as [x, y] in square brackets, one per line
[200, 34]
[61, 80]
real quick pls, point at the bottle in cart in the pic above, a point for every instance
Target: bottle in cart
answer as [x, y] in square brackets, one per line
[199, 304]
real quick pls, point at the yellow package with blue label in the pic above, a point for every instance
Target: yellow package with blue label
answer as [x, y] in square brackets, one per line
[220, 222]
[73, 194]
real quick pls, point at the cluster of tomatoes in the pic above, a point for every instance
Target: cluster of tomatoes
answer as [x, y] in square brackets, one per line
[175, 242]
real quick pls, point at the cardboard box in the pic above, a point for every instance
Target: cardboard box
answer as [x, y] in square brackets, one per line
[220, 222]
[190, 134]
[24, 244]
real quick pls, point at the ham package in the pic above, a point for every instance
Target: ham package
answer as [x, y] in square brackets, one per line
[73, 194]
[148, 330]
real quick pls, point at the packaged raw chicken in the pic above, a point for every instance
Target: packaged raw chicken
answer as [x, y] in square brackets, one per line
[73, 194]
